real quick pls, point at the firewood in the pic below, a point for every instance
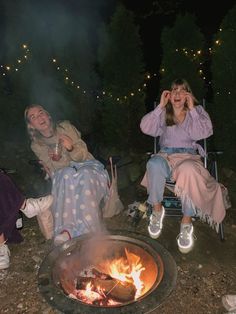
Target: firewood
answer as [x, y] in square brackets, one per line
[112, 288]
[123, 292]
[100, 275]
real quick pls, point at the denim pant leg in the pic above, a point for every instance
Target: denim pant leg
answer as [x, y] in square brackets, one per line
[158, 171]
[187, 207]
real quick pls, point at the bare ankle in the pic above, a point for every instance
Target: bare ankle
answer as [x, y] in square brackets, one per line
[157, 207]
[186, 220]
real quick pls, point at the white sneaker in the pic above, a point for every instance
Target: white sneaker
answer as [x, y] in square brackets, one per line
[4, 256]
[61, 238]
[156, 223]
[185, 239]
[34, 206]
[229, 302]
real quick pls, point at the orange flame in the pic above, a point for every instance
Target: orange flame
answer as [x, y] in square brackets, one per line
[126, 269]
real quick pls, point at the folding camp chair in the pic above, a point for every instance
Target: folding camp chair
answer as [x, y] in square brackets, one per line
[172, 204]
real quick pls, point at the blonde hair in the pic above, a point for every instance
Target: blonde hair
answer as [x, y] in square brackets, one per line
[169, 109]
[34, 134]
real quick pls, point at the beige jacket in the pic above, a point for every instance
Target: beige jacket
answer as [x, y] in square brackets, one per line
[79, 153]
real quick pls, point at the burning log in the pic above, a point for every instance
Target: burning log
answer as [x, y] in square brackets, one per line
[91, 298]
[123, 292]
[100, 275]
[109, 287]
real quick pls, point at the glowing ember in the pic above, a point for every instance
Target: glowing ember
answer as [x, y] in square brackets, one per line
[111, 282]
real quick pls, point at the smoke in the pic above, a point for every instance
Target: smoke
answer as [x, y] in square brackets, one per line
[50, 25]
[61, 29]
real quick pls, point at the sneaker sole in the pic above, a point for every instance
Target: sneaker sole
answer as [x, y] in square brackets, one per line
[185, 250]
[4, 267]
[154, 236]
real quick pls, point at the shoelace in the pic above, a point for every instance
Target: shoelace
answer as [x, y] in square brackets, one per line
[155, 219]
[185, 234]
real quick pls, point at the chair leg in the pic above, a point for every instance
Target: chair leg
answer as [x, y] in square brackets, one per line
[221, 231]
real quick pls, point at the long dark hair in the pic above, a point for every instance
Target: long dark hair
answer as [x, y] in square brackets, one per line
[169, 108]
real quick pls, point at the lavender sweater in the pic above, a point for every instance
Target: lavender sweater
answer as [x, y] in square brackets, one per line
[196, 126]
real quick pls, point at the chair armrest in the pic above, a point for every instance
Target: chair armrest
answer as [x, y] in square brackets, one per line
[215, 152]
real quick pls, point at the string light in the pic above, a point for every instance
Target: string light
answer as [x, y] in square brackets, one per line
[20, 61]
[190, 53]
[218, 43]
[193, 56]
[14, 67]
[77, 86]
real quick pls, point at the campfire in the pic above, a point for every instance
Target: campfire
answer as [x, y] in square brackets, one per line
[107, 273]
[111, 282]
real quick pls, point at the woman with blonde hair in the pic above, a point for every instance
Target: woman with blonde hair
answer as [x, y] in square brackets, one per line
[79, 182]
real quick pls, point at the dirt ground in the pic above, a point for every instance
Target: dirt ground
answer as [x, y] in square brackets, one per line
[204, 275]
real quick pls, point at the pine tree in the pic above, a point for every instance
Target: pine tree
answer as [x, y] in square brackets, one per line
[122, 71]
[182, 47]
[224, 82]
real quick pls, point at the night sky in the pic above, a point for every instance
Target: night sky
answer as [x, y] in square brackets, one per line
[152, 18]
[150, 15]
[51, 25]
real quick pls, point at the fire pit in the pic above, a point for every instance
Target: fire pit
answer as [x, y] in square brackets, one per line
[122, 272]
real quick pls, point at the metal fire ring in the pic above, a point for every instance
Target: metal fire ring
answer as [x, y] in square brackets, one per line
[58, 300]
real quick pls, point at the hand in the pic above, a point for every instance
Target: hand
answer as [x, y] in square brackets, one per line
[190, 100]
[66, 142]
[165, 97]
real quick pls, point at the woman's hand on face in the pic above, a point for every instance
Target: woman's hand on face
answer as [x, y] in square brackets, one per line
[165, 97]
[66, 142]
[189, 100]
